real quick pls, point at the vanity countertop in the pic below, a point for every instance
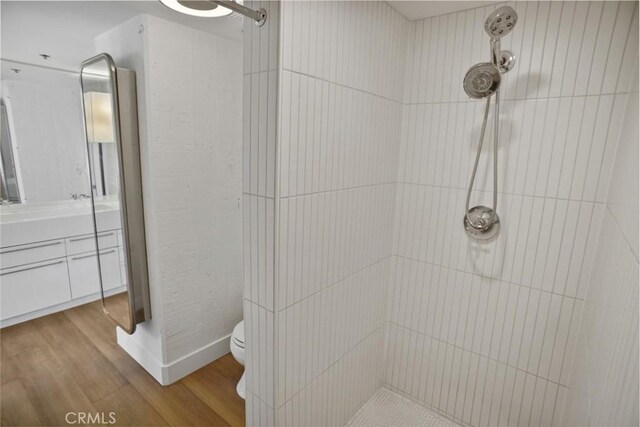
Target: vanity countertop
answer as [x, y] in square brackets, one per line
[39, 221]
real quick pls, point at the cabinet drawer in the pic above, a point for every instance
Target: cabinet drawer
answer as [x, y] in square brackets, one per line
[84, 275]
[86, 243]
[33, 286]
[13, 256]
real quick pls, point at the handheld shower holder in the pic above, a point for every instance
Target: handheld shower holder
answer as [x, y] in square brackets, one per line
[481, 223]
[506, 61]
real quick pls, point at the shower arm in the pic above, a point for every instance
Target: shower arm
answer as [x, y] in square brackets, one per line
[260, 15]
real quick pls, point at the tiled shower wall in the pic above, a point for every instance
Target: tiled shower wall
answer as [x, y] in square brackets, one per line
[260, 62]
[357, 152]
[484, 333]
[604, 379]
[321, 91]
[340, 125]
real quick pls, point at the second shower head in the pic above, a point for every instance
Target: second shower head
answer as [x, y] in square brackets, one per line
[500, 22]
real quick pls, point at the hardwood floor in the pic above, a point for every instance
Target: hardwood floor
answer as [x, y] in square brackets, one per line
[70, 362]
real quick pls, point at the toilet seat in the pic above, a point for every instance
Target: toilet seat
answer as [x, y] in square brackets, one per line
[237, 336]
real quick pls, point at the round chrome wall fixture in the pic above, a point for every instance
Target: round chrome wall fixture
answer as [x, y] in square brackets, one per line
[481, 223]
[482, 80]
[501, 22]
[506, 61]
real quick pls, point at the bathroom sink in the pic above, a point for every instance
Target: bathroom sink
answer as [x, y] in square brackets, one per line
[40, 221]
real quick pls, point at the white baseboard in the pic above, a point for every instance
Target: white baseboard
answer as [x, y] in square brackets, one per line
[169, 373]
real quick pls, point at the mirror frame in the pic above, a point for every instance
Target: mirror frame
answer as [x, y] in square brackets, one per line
[125, 121]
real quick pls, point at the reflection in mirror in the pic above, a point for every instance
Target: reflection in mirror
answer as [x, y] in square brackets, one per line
[100, 134]
[42, 129]
[9, 191]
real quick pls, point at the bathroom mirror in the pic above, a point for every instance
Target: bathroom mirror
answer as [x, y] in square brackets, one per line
[111, 127]
[44, 163]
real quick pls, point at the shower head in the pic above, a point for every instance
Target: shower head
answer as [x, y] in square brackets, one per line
[500, 22]
[482, 80]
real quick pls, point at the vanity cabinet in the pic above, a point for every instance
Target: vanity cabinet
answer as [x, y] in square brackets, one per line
[86, 243]
[84, 277]
[24, 254]
[33, 286]
[40, 278]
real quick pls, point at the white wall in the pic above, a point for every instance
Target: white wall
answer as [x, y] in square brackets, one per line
[484, 333]
[189, 95]
[604, 376]
[45, 109]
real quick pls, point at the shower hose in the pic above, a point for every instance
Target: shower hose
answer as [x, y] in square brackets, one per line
[481, 223]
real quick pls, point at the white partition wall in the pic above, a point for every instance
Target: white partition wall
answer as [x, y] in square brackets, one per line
[260, 106]
[340, 124]
[189, 111]
[318, 196]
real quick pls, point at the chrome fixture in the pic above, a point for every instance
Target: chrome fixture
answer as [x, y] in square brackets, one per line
[482, 81]
[216, 8]
[507, 61]
[80, 196]
[501, 22]
[260, 15]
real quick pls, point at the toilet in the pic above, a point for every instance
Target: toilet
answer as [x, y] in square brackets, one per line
[237, 349]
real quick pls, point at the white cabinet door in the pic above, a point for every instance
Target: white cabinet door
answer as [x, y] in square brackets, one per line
[33, 287]
[85, 277]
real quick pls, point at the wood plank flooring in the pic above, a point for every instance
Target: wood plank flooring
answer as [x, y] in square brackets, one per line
[70, 362]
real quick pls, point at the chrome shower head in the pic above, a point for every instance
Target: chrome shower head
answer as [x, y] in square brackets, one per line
[482, 80]
[501, 22]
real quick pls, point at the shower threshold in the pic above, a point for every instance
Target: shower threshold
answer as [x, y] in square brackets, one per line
[386, 408]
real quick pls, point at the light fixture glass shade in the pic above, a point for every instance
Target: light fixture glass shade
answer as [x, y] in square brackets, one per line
[215, 12]
[99, 117]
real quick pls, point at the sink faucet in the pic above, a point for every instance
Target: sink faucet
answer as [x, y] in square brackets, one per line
[79, 196]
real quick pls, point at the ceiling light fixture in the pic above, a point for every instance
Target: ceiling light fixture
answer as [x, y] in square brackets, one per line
[201, 8]
[216, 8]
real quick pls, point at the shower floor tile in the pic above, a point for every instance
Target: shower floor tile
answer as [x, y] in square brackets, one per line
[386, 408]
